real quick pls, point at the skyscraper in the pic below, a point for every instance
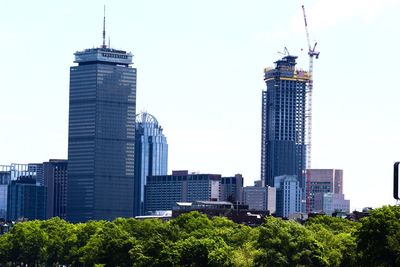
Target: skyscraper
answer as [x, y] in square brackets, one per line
[283, 138]
[101, 138]
[151, 155]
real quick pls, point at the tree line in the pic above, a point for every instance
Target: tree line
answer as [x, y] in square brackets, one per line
[193, 239]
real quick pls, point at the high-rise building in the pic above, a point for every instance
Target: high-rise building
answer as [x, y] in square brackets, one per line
[55, 179]
[288, 195]
[284, 136]
[151, 155]
[163, 191]
[101, 138]
[26, 199]
[231, 189]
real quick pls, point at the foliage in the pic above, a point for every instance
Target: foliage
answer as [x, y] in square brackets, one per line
[378, 239]
[288, 243]
[193, 239]
[337, 237]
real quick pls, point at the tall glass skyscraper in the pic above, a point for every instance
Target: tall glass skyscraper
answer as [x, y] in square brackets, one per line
[101, 138]
[151, 155]
[284, 147]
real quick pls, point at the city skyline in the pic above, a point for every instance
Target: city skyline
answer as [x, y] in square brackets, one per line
[206, 60]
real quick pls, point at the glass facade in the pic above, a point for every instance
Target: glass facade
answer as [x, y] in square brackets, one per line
[283, 145]
[3, 201]
[101, 137]
[26, 200]
[151, 155]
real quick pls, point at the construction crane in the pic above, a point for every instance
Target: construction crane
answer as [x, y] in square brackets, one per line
[311, 53]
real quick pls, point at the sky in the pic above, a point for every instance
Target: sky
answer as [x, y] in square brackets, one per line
[200, 73]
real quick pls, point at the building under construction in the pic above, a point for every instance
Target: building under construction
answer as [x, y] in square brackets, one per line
[284, 148]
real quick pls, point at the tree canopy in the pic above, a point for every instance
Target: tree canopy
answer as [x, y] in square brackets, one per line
[193, 239]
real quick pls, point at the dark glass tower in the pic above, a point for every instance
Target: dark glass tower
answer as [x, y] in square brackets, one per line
[101, 139]
[151, 155]
[283, 145]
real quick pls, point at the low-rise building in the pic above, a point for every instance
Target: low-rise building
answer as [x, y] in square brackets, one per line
[162, 192]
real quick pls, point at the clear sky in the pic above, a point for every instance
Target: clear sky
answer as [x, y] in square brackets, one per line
[200, 72]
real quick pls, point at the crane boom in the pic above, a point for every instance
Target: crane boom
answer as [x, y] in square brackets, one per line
[305, 23]
[308, 118]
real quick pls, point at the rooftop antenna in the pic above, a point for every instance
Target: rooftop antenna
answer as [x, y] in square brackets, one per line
[104, 28]
[109, 42]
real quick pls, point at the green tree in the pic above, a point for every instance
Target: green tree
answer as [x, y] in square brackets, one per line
[112, 246]
[61, 242]
[288, 243]
[5, 249]
[27, 243]
[378, 237]
[337, 236]
[204, 252]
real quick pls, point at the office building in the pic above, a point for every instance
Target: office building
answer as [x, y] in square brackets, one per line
[325, 185]
[320, 181]
[333, 202]
[231, 189]
[101, 137]
[260, 198]
[288, 195]
[151, 155]
[26, 200]
[284, 136]
[162, 192]
[37, 169]
[13, 172]
[55, 179]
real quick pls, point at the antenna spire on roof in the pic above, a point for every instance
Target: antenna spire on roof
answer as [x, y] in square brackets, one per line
[104, 28]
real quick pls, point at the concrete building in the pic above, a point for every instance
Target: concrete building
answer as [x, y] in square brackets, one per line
[260, 198]
[162, 192]
[319, 182]
[284, 148]
[333, 202]
[26, 200]
[288, 195]
[231, 189]
[101, 137]
[55, 173]
[151, 155]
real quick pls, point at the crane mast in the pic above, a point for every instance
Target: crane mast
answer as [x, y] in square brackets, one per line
[308, 118]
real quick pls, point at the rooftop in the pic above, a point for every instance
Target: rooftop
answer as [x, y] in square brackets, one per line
[103, 54]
